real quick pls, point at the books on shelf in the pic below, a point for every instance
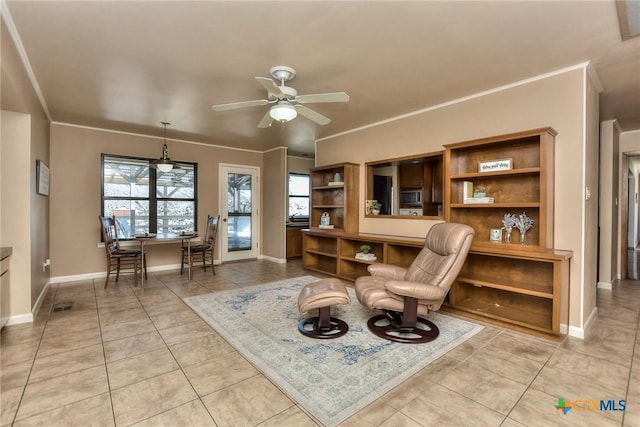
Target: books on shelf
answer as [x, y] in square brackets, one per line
[467, 190]
[367, 257]
[478, 200]
[335, 183]
[327, 226]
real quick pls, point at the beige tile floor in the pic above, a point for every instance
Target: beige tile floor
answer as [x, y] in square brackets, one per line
[128, 356]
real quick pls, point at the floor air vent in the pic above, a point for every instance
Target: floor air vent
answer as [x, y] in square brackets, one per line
[62, 306]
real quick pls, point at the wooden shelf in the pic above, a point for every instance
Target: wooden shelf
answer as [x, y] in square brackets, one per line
[494, 205]
[523, 286]
[506, 173]
[339, 201]
[512, 315]
[327, 254]
[361, 261]
[328, 187]
[344, 264]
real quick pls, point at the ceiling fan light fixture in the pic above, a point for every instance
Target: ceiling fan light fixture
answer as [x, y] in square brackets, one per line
[283, 112]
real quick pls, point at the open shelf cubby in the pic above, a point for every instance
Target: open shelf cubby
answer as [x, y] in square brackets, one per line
[512, 283]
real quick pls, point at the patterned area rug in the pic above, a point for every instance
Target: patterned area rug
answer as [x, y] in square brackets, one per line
[331, 379]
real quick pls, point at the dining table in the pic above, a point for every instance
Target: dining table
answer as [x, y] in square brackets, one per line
[159, 238]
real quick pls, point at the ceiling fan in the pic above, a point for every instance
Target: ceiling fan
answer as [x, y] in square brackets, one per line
[287, 104]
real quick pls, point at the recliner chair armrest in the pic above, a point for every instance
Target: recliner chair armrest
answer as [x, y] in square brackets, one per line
[393, 272]
[421, 291]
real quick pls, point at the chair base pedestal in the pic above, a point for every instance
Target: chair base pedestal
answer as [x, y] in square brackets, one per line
[323, 326]
[422, 332]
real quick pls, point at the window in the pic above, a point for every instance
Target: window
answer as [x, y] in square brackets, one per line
[146, 200]
[298, 197]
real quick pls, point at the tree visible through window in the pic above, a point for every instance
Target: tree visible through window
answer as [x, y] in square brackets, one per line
[146, 200]
[298, 197]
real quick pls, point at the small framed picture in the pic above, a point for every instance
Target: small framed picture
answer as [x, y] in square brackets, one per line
[42, 178]
[495, 235]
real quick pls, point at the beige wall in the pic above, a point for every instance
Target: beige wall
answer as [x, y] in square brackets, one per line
[274, 204]
[609, 151]
[16, 227]
[299, 164]
[18, 96]
[629, 146]
[591, 203]
[75, 185]
[557, 100]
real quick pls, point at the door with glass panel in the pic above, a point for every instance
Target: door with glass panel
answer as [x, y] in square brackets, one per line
[239, 191]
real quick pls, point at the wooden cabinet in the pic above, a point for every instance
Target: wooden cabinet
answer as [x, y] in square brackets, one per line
[294, 241]
[410, 175]
[519, 285]
[339, 199]
[335, 253]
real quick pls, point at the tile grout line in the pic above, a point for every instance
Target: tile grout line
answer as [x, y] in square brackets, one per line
[633, 353]
[104, 354]
[168, 347]
[24, 389]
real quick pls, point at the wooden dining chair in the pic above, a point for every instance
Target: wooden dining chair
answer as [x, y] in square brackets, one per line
[204, 252]
[119, 259]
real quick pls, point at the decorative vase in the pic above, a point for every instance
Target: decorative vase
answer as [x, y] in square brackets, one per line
[523, 237]
[507, 236]
[375, 211]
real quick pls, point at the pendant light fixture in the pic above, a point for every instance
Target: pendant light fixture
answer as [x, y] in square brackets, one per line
[165, 164]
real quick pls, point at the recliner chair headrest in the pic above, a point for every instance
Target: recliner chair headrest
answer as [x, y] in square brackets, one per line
[445, 238]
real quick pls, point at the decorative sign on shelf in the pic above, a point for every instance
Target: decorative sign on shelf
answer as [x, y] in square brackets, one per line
[495, 165]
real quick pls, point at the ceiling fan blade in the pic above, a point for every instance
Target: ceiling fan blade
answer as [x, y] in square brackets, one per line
[323, 97]
[242, 104]
[271, 87]
[266, 120]
[312, 115]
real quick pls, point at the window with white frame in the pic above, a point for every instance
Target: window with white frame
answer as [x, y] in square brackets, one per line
[145, 200]
[298, 197]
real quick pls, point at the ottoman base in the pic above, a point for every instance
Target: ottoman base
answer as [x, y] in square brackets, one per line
[323, 326]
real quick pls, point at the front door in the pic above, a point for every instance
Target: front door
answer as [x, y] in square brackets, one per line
[239, 192]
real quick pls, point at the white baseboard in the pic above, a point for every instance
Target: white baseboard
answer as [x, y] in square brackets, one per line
[38, 304]
[103, 274]
[577, 332]
[20, 318]
[29, 317]
[564, 328]
[273, 259]
[605, 285]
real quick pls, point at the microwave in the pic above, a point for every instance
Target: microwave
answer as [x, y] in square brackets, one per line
[411, 197]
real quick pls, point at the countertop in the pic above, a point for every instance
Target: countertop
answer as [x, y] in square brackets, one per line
[297, 225]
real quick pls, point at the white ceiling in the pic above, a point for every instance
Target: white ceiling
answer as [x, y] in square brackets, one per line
[130, 65]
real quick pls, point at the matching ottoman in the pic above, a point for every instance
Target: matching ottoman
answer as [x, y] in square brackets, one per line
[322, 295]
